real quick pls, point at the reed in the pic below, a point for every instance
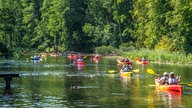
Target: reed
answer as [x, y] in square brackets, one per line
[160, 56]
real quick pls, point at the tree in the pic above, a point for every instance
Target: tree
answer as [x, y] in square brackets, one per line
[75, 18]
[31, 16]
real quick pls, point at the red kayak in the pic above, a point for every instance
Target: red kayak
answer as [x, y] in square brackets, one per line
[80, 63]
[72, 56]
[176, 87]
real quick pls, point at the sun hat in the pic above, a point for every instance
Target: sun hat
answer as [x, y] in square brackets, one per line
[171, 73]
[165, 73]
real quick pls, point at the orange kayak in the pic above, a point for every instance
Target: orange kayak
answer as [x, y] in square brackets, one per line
[175, 87]
[142, 62]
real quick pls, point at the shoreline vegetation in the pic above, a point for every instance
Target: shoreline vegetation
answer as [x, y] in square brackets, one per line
[160, 57]
[153, 56]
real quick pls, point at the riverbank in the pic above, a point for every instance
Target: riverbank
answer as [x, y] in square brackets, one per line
[154, 56]
[160, 57]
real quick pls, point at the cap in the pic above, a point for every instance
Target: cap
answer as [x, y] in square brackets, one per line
[171, 73]
[165, 73]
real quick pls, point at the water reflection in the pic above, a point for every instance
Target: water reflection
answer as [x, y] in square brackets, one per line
[167, 99]
[80, 68]
[126, 83]
[58, 82]
[170, 99]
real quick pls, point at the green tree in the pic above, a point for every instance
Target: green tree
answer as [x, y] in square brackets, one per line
[179, 23]
[50, 30]
[31, 15]
[75, 17]
[7, 23]
[139, 21]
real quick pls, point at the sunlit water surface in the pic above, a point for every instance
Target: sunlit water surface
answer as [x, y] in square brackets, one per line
[57, 82]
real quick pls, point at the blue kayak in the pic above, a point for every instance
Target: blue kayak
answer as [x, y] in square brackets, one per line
[37, 58]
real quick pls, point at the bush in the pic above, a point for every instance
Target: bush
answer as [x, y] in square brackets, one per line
[105, 50]
[4, 51]
[127, 47]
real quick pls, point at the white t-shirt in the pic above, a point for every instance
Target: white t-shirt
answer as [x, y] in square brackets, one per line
[173, 81]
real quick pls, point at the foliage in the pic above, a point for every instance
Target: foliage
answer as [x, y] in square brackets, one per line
[125, 47]
[105, 50]
[84, 25]
[3, 50]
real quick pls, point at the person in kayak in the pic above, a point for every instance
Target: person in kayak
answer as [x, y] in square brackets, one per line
[126, 68]
[123, 68]
[127, 59]
[123, 60]
[164, 80]
[173, 80]
[130, 67]
[79, 59]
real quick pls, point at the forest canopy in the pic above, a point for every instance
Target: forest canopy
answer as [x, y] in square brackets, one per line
[83, 25]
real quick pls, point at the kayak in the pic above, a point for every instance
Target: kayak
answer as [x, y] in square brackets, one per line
[120, 62]
[95, 59]
[36, 58]
[80, 63]
[72, 56]
[142, 62]
[176, 87]
[126, 73]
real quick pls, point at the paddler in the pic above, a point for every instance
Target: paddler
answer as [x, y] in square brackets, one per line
[173, 80]
[164, 80]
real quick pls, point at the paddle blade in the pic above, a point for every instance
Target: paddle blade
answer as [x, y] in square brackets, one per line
[111, 71]
[190, 85]
[136, 70]
[153, 85]
[136, 59]
[151, 72]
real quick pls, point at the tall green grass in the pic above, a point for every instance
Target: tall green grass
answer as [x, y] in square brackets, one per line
[159, 56]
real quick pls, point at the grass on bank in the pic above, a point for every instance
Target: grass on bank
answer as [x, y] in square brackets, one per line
[156, 56]
[160, 56]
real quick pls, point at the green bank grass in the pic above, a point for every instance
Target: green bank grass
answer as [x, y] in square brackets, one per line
[156, 56]
[159, 56]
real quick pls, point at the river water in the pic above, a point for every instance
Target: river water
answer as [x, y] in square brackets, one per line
[56, 82]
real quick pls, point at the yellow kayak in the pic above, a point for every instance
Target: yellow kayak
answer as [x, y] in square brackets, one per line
[126, 73]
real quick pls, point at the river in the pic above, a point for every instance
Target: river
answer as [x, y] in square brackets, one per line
[57, 82]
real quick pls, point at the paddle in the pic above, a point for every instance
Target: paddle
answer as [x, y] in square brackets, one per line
[136, 70]
[136, 59]
[111, 71]
[85, 57]
[190, 85]
[151, 72]
[153, 85]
